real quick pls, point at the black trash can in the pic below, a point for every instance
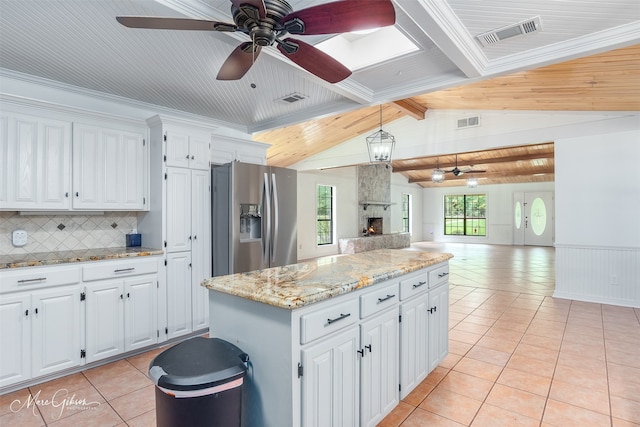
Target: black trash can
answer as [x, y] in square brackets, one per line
[199, 382]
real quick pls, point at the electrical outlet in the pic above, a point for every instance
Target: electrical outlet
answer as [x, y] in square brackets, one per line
[19, 238]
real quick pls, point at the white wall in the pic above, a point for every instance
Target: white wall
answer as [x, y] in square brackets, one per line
[345, 180]
[597, 218]
[499, 211]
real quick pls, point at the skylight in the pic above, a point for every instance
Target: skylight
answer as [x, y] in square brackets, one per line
[357, 51]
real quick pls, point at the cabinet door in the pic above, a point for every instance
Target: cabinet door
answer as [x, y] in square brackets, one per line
[200, 152]
[200, 245]
[88, 167]
[178, 209]
[37, 157]
[15, 336]
[131, 171]
[104, 325]
[438, 325]
[5, 175]
[177, 149]
[379, 367]
[178, 294]
[414, 356]
[109, 166]
[330, 384]
[140, 316]
[55, 330]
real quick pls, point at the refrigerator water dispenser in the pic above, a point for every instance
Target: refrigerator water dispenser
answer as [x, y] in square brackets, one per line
[250, 222]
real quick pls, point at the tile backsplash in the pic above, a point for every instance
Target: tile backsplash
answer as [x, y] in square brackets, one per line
[61, 232]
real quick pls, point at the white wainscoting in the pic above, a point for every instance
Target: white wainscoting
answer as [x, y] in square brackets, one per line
[607, 275]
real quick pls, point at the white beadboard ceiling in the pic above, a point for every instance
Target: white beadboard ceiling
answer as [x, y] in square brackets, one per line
[79, 43]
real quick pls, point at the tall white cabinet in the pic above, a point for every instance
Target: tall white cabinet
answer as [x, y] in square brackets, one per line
[179, 220]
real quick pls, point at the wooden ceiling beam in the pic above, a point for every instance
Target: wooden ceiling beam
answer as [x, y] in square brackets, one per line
[462, 162]
[489, 175]
[411, 107]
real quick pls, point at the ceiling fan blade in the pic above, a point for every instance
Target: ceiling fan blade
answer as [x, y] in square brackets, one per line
[313, 60]
[253, 5]
[239, 62]
[475, 171]
[157, 23]
[341, 17]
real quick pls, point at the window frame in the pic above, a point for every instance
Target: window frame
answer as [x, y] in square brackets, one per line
[406, 221]
[331, 220]
[475, 222]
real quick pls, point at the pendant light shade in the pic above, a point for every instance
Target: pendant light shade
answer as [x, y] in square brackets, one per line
[380, 145]
[437, 175]
[472, 182]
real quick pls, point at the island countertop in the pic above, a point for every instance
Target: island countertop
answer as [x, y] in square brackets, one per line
[297, 285]
[63, 257]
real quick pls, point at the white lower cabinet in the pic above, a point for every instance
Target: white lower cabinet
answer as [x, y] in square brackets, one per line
[330, 386]
[120, 316]
[414, 345]
[438, 324]
[40, 333]
[378, 367]
[179, 320]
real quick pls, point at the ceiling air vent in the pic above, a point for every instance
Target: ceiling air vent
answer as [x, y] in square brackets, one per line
[294, 97]
[529, 26]
[467, 122]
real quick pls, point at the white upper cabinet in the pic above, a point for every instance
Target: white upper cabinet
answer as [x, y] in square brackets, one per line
[109, 168]
[187, 149]
[35, 157]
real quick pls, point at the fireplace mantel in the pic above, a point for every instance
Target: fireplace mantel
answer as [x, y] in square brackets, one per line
[368, 203]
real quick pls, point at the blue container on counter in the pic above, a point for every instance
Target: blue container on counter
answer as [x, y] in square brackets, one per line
[134, 239]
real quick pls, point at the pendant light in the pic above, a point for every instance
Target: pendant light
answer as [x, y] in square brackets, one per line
[438, 174]
[380, 144]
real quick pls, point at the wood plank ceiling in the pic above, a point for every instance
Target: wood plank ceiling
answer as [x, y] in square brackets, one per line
[604, 82]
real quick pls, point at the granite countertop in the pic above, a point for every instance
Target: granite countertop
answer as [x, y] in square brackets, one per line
[297, 285]
[54, 258]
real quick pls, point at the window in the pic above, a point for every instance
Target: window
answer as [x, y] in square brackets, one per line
[406, 212]
[324, 215]
[465, 215]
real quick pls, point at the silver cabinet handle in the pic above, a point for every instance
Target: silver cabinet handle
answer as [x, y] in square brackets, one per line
[37, 279]
[124, 270]
[441, 275]
[419, 284]
[342, 316]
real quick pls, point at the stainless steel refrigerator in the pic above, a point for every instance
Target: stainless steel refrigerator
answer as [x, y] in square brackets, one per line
[253, 217]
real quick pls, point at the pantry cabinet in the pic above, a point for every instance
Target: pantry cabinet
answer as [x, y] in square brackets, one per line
[188, 149]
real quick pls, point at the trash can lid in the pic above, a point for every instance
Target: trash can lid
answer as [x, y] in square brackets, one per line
[198, 363]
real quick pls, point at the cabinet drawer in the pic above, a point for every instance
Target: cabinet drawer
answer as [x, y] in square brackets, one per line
[438, 276]
[324, 321]
[38, 277]
[379, 299]
[413, 285]
[114, 269]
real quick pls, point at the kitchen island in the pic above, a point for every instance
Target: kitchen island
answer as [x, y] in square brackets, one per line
[338, 340]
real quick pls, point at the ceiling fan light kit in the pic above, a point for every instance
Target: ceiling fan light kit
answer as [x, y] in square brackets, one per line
[268, 21]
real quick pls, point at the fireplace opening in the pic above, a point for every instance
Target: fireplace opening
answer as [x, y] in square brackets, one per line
[374, 225]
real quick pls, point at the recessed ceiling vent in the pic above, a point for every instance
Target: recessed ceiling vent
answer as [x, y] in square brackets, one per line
[533, 25]
[294, 97]
[468, 122]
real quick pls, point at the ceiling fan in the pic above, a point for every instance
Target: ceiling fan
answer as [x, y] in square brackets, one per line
[457, 171]
[267, 21]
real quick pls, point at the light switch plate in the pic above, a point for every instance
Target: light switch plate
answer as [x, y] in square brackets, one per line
[19, 238]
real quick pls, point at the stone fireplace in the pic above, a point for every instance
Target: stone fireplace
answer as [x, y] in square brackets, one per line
[374, 185]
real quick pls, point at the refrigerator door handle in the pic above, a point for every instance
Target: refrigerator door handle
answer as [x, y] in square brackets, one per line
[266, 219]
[276, 216]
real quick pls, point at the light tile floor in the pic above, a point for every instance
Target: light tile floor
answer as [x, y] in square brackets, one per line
[517, 356]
